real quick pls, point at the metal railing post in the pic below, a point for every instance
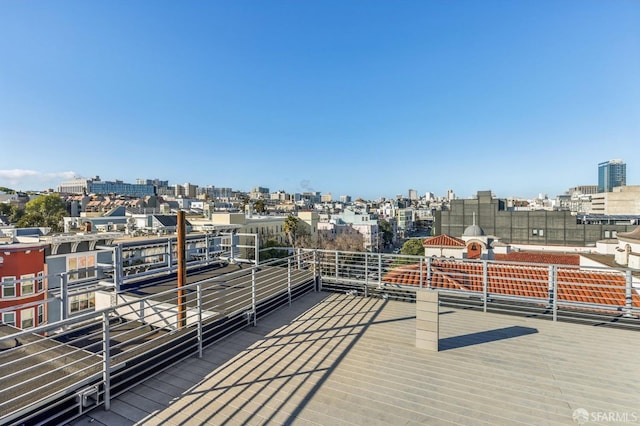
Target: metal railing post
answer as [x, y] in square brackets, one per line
[64, 296]
[106, 360]
[289, 280]
[118, 265]
[317, 271]
[336, 264]
[366, 275]
[199, 304]
[553, 276]
[485, 284]
[429, 274]
[299, 260]
[169, 256]
[257, 250]
[421, 282]
[207, 256]
[628, 296]
[253, 295]
[379, 269]
[550, 287]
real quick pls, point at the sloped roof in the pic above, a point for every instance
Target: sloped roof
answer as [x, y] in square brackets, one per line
[540, 257]
[633, 235]
[169, 220]
[574, 285]
[166, 220]
[443, 241]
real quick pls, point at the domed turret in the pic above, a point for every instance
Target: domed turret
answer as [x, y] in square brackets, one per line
[473, 231]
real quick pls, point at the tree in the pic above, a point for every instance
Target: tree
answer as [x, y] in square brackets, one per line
[273, 251]
[259, 206]
[413, 247]
[245, 201]
[5, 209]
[46, 210]
[291, 229]
[386, 231]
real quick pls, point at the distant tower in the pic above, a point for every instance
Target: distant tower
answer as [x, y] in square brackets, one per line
[611, 174]
[413, 194]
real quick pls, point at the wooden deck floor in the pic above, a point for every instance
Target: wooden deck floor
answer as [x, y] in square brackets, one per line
[335, 359]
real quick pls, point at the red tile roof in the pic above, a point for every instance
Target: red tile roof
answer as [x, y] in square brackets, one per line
[540, 257]
[574, 285]
[443, 241]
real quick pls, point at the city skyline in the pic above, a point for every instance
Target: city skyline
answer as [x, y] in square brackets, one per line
[518, 98]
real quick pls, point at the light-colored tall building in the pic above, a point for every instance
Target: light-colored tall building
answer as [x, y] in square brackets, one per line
[623, 200]
[75, 186]
[187, 190]
[413, 194]
[259, 192]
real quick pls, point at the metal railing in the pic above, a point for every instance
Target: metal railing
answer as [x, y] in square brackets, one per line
[592, 294]
[58, 371]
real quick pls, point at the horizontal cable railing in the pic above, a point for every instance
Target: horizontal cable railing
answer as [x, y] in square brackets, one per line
[58, 371]
[590, 294]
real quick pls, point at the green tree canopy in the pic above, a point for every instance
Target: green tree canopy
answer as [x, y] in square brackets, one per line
[5, 209]
[386, 231]
[291, 228]
[259, 206]
[413, 247]
[46, 210]
[273, 251]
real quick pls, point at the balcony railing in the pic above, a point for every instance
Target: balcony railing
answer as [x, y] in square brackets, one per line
[58, 371]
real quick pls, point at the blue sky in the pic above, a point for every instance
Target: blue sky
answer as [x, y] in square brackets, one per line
[365, 98]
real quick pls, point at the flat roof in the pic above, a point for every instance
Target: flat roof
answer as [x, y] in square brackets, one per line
[334, 358]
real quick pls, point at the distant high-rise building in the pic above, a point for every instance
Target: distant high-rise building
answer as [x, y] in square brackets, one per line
[413, 194]
[259, 192]
[611, 174]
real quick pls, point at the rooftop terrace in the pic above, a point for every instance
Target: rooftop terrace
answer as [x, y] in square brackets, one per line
[268, 343]
[335, 358]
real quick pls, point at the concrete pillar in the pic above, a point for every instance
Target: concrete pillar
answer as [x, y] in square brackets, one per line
[427, 319]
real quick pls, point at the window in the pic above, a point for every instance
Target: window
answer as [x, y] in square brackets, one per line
[26, 284]
[9, 318]
[40, 314]
[81, 267]
[8, 287]
[82, 302]
[40, 281]
[26, 318]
